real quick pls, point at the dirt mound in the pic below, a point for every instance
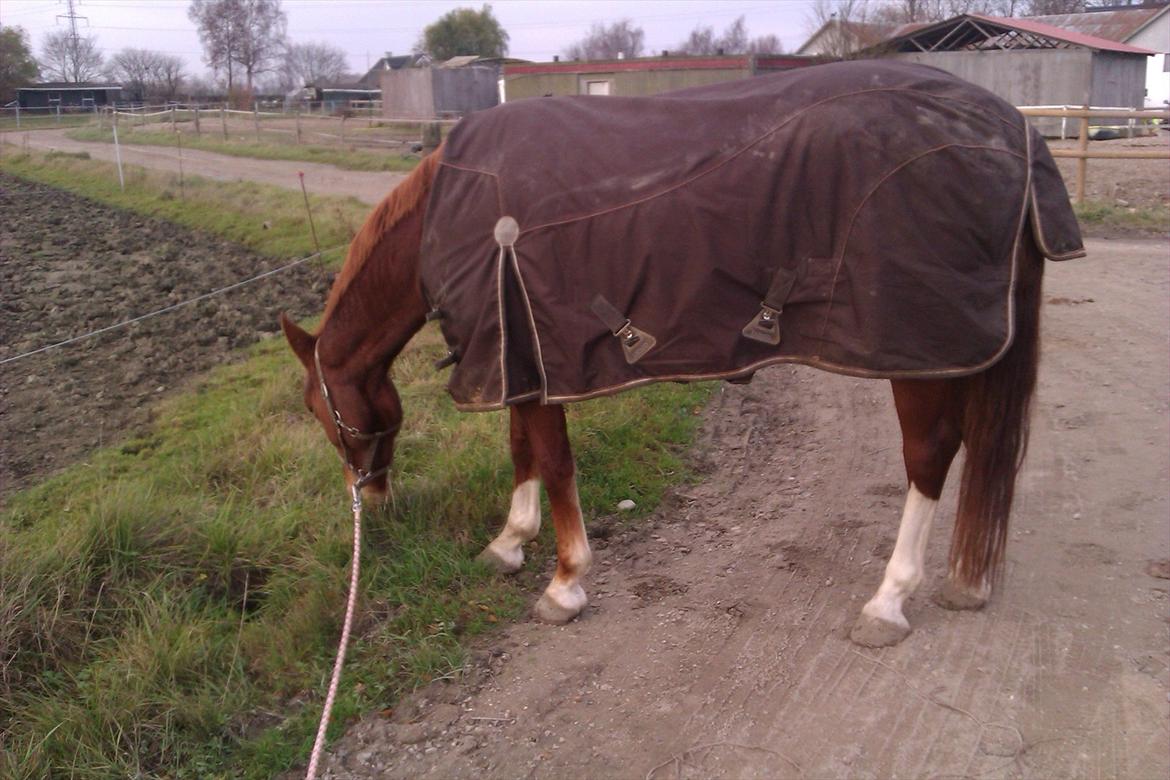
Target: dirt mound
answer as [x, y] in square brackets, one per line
[68, 266]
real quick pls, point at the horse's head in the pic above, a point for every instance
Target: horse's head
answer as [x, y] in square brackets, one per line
[361, 412]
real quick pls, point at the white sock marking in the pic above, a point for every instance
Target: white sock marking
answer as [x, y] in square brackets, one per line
[566, 591]
[905, 570]
[522, 526]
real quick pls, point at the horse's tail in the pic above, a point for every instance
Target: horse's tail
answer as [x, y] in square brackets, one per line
[997, 405]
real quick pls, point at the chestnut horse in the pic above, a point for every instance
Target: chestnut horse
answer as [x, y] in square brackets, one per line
[377, 305]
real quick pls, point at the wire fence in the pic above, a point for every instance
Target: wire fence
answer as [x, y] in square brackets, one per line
[172, 307]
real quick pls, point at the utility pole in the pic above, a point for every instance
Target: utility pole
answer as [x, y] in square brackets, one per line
[74, 39]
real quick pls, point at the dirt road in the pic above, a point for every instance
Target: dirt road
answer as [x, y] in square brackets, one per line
[320, 179]
[716, 642]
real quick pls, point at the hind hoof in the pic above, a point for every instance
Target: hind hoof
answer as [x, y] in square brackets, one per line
[504, 562]
[875, 632]
[953, 596]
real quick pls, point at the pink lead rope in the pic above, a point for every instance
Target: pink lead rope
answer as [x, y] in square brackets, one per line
[319, 743]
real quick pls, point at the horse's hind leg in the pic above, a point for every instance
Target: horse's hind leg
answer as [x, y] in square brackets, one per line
[564, 598]
[506, 551]
[929, 414]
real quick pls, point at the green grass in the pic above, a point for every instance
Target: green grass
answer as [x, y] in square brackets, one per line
[268, 219]
[247, 146]
[1094, 214]
[39, 121]
[170, 607]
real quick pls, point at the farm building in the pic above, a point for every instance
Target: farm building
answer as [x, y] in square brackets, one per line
[66, 94]
[641, 76]
[452, 88]
[836, 38]
[1028, 63]
[1146, 26]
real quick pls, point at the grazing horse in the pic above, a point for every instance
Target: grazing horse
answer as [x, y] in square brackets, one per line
[947, 310]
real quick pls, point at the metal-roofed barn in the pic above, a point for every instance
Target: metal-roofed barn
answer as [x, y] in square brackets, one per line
[1029, 63]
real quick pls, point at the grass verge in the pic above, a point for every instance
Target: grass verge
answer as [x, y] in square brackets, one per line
[240, 146]
[170, 606]
[1108, 217]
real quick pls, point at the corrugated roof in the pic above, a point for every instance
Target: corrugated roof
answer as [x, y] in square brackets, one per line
[970, 30]
[1064, 34]
[1119, 25]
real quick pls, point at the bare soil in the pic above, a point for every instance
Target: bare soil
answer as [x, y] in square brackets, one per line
[68, 266]
[716, 642]
[1135, 184]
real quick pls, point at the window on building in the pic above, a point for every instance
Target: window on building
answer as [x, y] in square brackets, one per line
[597, 87]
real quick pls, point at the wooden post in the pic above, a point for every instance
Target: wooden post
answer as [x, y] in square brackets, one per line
[173, 128]
[197, 131]
[256, 118]
[223, 119]
[298, 127]
[1083, 160]
[343, 131]
[102, 119]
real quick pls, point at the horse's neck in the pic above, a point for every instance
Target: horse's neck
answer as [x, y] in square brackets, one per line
[375, 316]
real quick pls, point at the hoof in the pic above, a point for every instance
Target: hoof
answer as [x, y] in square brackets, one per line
[954, 596]
[506, 562]
[875, 632]
[566, 605]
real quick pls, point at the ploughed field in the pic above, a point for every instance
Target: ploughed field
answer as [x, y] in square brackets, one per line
[69, 266]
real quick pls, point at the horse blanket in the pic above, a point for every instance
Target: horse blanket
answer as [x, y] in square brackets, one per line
[863, 217]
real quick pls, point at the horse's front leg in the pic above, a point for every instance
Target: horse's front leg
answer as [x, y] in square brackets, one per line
[545, 427]
[506, 551]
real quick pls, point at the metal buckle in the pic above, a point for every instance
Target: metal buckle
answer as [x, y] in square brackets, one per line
[635, 343]
[765, 326]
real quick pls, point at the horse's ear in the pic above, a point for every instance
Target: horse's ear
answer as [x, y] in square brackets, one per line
[301, 342]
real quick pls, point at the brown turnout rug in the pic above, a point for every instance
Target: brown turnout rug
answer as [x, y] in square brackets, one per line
[862, 217]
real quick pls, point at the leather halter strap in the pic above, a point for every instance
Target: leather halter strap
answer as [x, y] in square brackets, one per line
[363, 474]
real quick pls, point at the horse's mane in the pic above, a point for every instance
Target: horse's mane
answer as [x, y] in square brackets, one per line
[410, 194]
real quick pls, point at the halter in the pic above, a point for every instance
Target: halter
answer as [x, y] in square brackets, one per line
[364, 475]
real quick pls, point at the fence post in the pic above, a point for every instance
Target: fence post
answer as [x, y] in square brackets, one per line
[196, 120]
[343, 130]
[223, 119]
[1083, 160]
[58, 113]
[298, 127]
[173, 129]
[256, 118]
[102, 119]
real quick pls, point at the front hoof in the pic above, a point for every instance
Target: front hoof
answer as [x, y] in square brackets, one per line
[503, 561]
[954, 596]
[875, 632]
[560, 605]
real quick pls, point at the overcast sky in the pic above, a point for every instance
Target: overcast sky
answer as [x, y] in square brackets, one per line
[366, 29]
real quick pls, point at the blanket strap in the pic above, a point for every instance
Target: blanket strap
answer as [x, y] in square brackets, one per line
[765, 326]
[635, 343]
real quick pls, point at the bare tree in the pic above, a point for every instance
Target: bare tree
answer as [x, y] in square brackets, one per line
[608, 42]
[65, 57]
[247, 33]
[311, 63]
[146, 73]
[842, 25]
[734, 40]
[262, 36]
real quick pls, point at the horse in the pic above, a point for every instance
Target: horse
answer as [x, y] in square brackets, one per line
[381, 298]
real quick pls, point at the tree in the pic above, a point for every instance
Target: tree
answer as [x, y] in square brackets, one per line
[464, 31]
[147, 73]
[65, 57]
[607, 42]
[245, 33]
[734, 40]
[311, 63]
[17, 66]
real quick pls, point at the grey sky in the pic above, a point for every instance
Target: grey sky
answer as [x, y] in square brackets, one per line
[366, 29]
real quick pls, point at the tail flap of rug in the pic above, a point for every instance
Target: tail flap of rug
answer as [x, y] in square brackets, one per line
[1054, 225]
